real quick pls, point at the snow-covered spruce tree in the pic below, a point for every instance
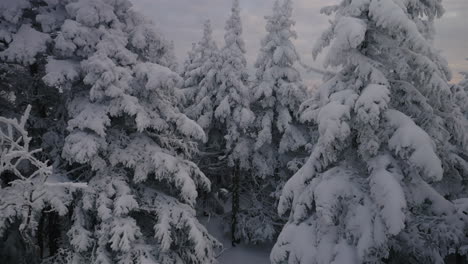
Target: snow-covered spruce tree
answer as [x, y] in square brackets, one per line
[201, 75]
[201, 79]
[392, 147]
[27, 186]
[280, 139]
[233, 111]
[219, 98]
[125, 128]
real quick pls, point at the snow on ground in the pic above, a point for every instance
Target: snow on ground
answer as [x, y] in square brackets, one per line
[240, 254]
[244, 255]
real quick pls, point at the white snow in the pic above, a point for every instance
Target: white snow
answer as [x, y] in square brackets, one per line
[372, 166]
[26, 45]
[240, 254]
[371, 103]
[12, 10]
[58, 72]
[410, 136]
[387, 192]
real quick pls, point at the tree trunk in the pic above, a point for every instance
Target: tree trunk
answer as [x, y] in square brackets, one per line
[235, 205]
[54, 232]
[40, 234]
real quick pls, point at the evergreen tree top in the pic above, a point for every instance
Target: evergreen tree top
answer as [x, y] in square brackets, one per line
[233, 35]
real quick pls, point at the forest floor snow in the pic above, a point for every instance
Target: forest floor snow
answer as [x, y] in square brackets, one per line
[240, 254]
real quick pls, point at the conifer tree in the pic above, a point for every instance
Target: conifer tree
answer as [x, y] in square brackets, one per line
[125, 125]
[201, 79]
[126, 134]
[392, 143]
[280, 139]
[218, 83]
[278, 93]
[233, 110]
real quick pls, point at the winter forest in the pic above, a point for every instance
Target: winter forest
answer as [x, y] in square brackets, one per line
[111, 151]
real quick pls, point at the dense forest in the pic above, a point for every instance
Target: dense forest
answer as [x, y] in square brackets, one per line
[113, 152]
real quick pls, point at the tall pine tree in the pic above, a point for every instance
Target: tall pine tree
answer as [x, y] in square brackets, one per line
[278, 93]
[126, 137]
[392, 143]
[280, 140]
[201, 79]
[218, 83]
[126, 127]
[234, 111]
[202, 74]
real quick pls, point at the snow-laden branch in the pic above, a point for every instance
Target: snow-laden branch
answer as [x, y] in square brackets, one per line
[14, 147]
[27, 188]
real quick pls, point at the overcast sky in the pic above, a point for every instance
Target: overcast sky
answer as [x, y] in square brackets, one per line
[181, 21]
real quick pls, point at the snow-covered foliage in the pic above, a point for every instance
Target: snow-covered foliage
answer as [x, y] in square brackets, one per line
[25, 39]
[125, 125]
[278, 93]
[460, 92]
[216, 88]
[392, 145]
[233, 109]
[464, 82]
[27, 184]
[201, 79]
[279, 138]
[218, 98]
[24, 47]
[106, 167]
[126, 134]
[20, 41]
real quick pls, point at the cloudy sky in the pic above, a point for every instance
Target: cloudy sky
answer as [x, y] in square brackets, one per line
[181, 21]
